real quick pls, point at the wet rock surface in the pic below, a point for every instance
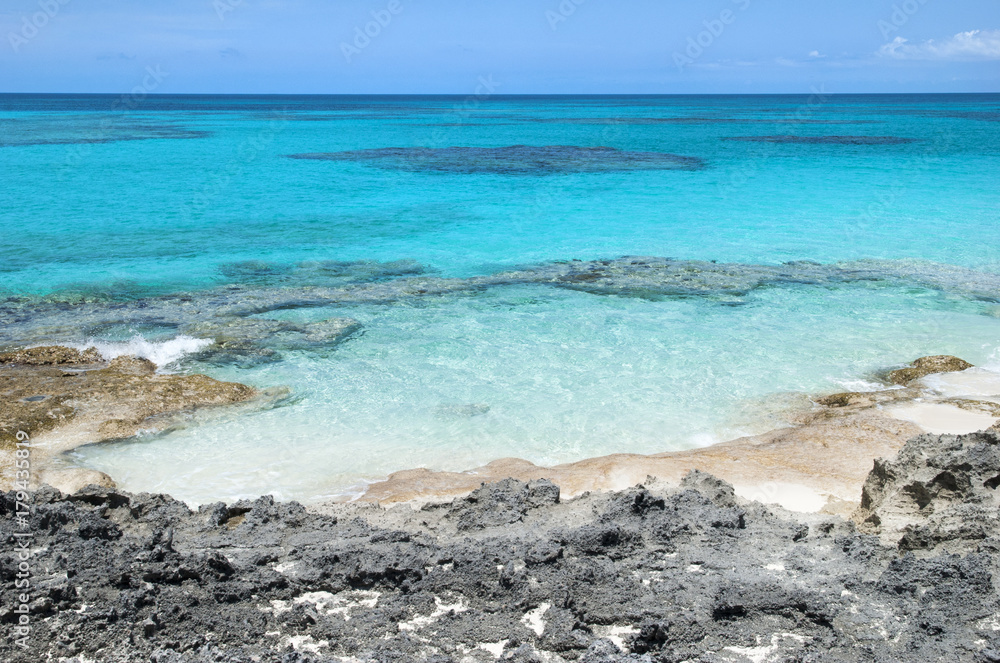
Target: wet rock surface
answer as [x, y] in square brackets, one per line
[513, 572]
[927, 366]
[121, 393]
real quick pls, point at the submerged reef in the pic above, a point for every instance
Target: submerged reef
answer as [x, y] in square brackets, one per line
[231, 316]
[511, 160]
[515, 572]
[825, 140]
[780, 119]
[84, 130]
[318, 272]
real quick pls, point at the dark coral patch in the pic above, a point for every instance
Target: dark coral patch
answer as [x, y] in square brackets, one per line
[89, 131]
[985, 116]
[825, 140]
[511, 160]
[791, 119]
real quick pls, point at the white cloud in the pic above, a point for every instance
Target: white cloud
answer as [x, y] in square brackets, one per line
[972, 45]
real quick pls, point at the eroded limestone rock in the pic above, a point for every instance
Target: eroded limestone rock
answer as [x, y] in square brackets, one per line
[938, 495]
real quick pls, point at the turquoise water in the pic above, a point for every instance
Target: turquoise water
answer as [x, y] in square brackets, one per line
[104, 209]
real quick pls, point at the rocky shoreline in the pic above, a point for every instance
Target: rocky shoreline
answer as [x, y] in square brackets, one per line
[515, 572]
[593, 561]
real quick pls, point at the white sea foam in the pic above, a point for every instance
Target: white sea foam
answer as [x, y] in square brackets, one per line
[993, 361]
[862, 385]
[161, 353]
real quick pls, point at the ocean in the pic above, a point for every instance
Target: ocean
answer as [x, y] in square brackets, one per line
[112, 206]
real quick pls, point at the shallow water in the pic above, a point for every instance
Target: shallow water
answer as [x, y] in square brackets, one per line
[185, 195]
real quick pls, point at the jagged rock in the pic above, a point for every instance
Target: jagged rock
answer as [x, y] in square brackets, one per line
[512, 572]
[938, 494]
[720, 492]
[502, 503]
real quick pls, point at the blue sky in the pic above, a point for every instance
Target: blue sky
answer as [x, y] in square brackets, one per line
[518, 46]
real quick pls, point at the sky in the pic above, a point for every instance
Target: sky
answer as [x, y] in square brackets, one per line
[500, 46]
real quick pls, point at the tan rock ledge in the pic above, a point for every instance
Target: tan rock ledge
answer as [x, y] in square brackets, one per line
[64, 398]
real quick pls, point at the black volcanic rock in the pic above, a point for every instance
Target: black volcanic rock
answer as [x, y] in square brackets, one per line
[511, 572]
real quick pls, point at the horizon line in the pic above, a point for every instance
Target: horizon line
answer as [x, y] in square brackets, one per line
[500, 96]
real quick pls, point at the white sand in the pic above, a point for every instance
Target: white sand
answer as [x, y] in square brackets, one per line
[977, 383]
[791, 496]
[941, 418]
